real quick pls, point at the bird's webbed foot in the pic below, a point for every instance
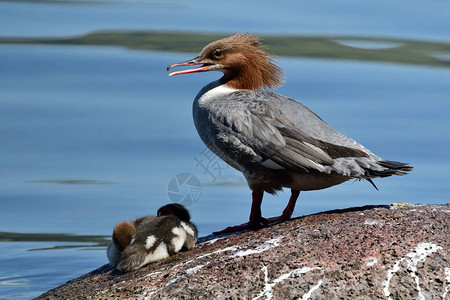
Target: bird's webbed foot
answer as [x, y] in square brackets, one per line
[254, 225]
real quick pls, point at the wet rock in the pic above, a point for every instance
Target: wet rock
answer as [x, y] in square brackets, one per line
[397, 252]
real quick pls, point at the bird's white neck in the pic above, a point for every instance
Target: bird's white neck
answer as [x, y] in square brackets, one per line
[213, 90]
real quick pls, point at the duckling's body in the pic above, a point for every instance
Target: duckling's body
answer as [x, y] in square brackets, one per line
[154, 238]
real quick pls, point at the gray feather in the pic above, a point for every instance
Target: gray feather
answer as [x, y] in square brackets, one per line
[249, 128]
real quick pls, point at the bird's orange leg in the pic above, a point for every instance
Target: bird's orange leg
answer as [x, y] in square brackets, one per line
[287, 212]
[255, 221]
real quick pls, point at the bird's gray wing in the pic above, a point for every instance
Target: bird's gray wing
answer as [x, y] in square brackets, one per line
[251, 123]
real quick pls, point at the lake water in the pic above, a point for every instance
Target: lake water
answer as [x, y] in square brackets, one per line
[91, 135]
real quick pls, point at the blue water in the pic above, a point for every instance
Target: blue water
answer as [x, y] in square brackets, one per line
[93, 135]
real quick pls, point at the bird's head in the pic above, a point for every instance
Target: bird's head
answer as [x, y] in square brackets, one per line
[246, 66]
[176, 210]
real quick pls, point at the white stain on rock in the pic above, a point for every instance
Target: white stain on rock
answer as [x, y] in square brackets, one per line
[307, 296]
[372, 261]
[447, 283]
[261, 248]
[152, 275]
[194, 270]
[371, 222]
[268, 287]
[214, 240]
[172, 281]
[418, 254]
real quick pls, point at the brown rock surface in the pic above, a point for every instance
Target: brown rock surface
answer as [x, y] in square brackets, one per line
[397, 252]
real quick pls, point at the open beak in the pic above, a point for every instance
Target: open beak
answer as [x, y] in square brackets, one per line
[192, 62]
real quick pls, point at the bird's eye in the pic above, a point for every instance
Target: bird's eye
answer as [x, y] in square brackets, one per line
[218, 53]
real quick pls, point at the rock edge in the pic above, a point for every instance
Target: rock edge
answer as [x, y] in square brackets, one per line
[378, 252]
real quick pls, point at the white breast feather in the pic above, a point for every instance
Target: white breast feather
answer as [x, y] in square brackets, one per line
[159, 253]
[213, 90]
[188, 229]
[179, 238]
[150, 241]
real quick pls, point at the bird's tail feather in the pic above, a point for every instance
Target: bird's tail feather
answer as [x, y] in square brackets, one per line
[390, 168]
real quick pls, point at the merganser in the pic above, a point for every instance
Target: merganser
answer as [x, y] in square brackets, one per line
[144, 240]
[275, 141]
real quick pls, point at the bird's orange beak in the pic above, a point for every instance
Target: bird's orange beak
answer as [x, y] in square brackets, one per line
[192, 62]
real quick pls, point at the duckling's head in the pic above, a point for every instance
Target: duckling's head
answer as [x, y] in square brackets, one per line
[122, 235]
[175, 209]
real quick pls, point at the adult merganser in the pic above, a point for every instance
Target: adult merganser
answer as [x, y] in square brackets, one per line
[141, 241]
[275, 141]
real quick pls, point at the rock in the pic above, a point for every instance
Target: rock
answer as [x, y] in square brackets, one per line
[377, 252]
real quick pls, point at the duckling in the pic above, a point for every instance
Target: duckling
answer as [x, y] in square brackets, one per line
[122, 235]
[141, 241]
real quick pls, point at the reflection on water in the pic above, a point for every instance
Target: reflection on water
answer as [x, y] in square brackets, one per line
[25, 274]
[92, 131]
[442, 56]
[94, 240]
[384, 50]
[72, 181]
[369, 44]
[27, 269]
